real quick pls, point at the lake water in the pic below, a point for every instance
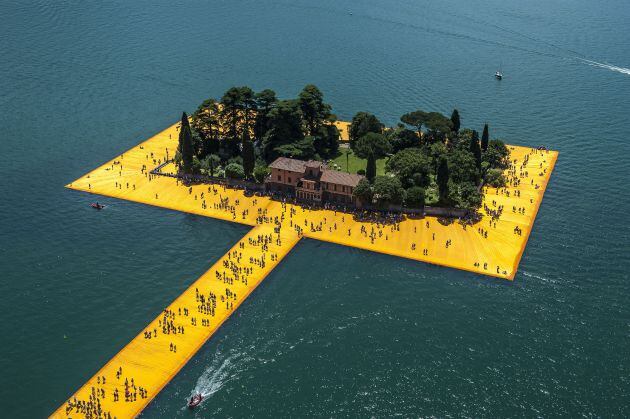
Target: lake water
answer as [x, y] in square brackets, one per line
[332, 331]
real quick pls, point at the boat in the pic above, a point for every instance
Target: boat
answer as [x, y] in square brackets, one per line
[498, 75]
[195, 401]
[97, 206]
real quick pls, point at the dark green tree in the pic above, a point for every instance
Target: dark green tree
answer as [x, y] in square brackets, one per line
[206, 123]
[326, 142]
[388, 190]
[376, 143]
[185, 146]
[265, 101]
[415, 197]
[370, 169]
[443, 175]
[497, 155]
[363, 123]
[249, 158]
[234, 171]
[314, 111]
[463, 167]
[232, 119]
[484, 138]
[363, 191]
[250, 107]
[475, 148]
[411, 166]
[210, 164]
[438, 127]
[284, 128]
[401, 138]
[416, 119]
[455, 121]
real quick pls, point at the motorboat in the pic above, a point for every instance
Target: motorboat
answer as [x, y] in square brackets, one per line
[195, 401]
[97, 206]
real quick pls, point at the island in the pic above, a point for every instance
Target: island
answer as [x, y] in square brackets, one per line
[425, 189]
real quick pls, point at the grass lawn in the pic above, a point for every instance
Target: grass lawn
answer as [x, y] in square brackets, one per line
[354, 163]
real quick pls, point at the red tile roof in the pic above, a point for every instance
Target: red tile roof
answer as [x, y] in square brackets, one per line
[285, 163]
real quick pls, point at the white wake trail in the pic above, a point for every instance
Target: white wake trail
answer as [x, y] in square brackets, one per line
[621, 70]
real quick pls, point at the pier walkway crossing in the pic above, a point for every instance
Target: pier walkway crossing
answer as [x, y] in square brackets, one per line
[134, 376]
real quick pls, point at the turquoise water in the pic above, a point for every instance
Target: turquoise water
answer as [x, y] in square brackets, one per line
[332, 331]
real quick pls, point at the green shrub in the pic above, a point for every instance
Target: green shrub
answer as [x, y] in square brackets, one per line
[234, 171]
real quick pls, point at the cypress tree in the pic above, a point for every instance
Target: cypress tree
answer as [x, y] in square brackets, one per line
[475, 148]
[185, 144]
[455, 120]
[370, 170]
[485, 137]
[249, 159]
[442, 179]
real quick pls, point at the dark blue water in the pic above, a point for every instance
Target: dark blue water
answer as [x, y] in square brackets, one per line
[332, 331]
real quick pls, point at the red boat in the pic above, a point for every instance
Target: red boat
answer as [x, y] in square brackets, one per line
[195, 401]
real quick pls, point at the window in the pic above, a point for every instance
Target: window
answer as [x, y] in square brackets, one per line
[335, 187]
[289, 180]
[279, 178]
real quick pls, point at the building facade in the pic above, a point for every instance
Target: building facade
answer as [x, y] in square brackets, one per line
[312, 181]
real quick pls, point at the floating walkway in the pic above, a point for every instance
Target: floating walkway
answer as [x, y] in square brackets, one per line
[132, 378]
[493, 246]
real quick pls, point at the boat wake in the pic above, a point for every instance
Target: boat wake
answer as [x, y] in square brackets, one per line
[622, 70]
[219, 373]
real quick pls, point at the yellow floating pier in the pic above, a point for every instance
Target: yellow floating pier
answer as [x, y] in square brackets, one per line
[132, 378]
[493, 246]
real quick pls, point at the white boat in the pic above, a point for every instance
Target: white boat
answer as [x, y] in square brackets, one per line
[498, 75]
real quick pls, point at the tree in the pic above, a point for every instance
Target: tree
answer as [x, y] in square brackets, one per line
[463, 167]
[302, 149]
[443, 175]
[210, 163]
[206, 123]
[484, 138]
[455, 121]
[363, 123]
[314, 111]
[265, 101]
[416, 119]
[495, 178]
[284, 128]
[438, 127]
[363, 191]
[249, 159]
[371, 142]
[249, 106]
[261, 172]
[370, 169]
[388, 190]
[497, 155]
[415, 197]
[232, 118]
[326, 142]
[475, 149]
[401, 138]
[465, 196]
[411, 166]
[234, 171]
[185, 147]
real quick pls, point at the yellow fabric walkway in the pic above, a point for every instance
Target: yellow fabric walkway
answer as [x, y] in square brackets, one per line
[142, 368]
[493, 247]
